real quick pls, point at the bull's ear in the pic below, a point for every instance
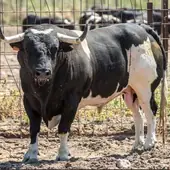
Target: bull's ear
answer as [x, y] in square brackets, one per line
[65, 47]
[17, 46]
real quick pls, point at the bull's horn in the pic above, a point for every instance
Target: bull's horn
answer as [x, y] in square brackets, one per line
[12, 39]
[73, 40]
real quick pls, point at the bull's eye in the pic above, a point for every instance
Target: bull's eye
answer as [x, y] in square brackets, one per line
[53, 50]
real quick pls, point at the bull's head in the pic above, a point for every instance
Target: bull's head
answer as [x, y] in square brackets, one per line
[40, 47]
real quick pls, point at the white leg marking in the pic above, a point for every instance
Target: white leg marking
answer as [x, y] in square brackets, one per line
[151, 125]
[47, 31]
[54, 121]
[31, 155]
[139, 128]
[63, 151]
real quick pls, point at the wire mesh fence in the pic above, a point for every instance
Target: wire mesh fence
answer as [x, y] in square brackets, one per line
[73, 14]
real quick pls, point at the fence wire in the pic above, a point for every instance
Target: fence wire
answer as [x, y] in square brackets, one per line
[12, 14]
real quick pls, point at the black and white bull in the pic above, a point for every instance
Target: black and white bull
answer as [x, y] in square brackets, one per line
[63, 71]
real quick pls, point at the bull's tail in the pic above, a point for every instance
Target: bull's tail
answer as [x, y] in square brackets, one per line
[163, 104]
[164, 87]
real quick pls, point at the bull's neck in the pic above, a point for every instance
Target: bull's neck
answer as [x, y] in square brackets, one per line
[42, 92]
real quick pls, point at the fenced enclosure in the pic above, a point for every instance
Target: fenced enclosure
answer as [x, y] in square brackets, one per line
[114, 119]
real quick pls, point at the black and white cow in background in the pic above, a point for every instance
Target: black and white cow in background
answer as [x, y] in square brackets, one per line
[156, 18]
[99, 16]
[36, 20]
[64, 70]
[96, 21]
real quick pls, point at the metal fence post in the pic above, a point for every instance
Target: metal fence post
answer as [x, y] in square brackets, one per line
[164, 31]
[149, 12]
[165, 25]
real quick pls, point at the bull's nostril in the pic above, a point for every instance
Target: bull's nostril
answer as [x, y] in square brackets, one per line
[37, 73]
[48, 73]
[42, 73]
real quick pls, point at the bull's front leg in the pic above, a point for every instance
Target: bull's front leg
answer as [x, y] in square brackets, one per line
[35, 121]
[67, 118]
[63, 152]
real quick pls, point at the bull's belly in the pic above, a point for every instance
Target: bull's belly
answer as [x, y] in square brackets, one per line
[98, 100]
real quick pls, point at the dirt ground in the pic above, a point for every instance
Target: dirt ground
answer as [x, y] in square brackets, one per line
[104, 149]
[100, 150]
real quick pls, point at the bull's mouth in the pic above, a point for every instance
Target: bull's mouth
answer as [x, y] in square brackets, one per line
[41, 81]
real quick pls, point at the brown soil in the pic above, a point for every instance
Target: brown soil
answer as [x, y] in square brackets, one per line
[99, 150]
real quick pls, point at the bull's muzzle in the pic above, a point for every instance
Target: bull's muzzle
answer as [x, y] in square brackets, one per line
[42, 76]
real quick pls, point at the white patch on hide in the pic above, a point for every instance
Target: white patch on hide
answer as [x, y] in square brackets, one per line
[35, 31]
[142, 74]
[66, 21]
[141, 61]
[83, 43]
[137, 21]
[98, 100]
[110, 17]
[96, 18]
[54, 121]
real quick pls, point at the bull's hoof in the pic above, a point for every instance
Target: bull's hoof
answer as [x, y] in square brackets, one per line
[138, 149]
[149, 144]
[138, 145]
[30, 161]
[64, 157]
[149, 147]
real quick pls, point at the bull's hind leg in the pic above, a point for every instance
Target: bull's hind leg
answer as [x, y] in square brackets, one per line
[133, 104]
[149, 106]
[150, 109]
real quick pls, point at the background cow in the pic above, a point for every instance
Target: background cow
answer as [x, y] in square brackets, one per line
[156, 18]
[99, 16]
[35, 20]
[96, 21]
[63, 71]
